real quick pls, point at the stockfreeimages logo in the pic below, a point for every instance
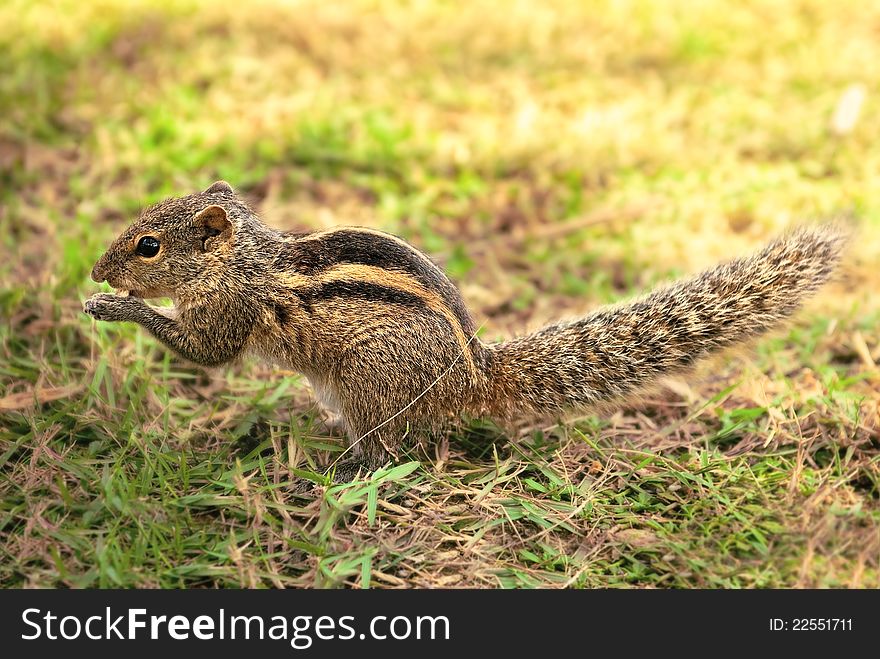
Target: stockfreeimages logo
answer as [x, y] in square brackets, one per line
[300, 631]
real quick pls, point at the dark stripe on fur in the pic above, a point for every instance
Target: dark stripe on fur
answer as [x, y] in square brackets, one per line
[312, 257]
[282, 314]
[361, 291]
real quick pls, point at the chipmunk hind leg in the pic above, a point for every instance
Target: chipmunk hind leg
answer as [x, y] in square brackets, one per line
[368, 451]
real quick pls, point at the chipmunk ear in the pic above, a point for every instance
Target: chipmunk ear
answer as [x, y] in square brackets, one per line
[219, 186]
[216, 229]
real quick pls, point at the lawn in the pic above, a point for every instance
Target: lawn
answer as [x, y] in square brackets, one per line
[553, 156]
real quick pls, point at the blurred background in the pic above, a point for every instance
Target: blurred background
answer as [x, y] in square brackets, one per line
[557, 148]
[551, 155]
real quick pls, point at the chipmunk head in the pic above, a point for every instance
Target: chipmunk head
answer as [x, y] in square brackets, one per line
[177, 245]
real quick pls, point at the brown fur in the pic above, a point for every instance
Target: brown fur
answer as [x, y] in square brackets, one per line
[378, 328]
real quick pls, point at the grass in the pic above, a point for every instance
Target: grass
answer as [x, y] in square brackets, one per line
[553, 156]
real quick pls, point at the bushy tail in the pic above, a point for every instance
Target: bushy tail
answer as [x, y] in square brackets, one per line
[618, 350]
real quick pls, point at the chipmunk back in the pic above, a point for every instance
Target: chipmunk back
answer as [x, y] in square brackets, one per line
[385, 337]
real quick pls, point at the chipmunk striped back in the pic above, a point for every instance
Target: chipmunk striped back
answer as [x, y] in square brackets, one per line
[358, 264]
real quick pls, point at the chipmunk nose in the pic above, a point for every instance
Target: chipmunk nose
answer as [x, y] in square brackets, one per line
[98, 272]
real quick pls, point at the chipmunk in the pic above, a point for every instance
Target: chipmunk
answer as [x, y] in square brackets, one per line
[384, 336]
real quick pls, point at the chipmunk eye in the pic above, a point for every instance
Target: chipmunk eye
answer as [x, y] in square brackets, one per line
[147, 246]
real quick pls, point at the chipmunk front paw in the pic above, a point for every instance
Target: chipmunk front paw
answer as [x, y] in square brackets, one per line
[106, 306]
